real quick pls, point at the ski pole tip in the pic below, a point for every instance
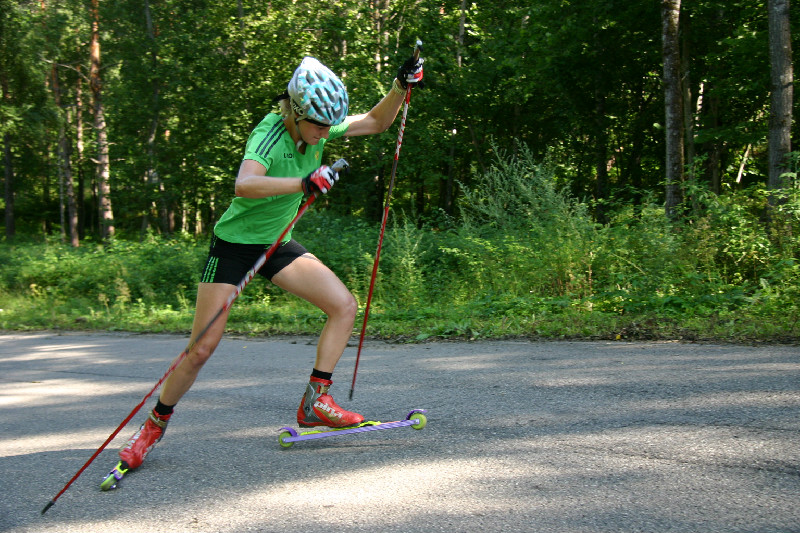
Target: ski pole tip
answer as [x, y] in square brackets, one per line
[351, 394]
[48, 506]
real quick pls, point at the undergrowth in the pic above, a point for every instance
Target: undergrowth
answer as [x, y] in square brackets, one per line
[523, 259]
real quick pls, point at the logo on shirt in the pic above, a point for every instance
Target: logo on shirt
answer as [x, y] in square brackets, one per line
[288, 156]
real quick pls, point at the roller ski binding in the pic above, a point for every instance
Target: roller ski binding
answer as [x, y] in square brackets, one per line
[134, 451]
[115, 476]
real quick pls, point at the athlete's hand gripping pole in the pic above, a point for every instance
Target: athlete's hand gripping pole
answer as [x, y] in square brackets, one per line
[410, 85]
[338, 166]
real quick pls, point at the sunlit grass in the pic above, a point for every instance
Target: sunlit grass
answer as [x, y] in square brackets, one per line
[288, 316]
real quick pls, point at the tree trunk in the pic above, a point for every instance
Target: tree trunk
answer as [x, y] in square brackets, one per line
[673, 105]
[8, 187]
[239, 16]
[67, 205]
[45, 202]
[380, 13]
[151, 177]
[72, 205]
[105, 213]
[79, 163]
[374, 203]
[708, 108]
[687, 96]
[447, 201]
[781, 99]
[8, 168]
[446, 191]
[638, 139]
[600, 160]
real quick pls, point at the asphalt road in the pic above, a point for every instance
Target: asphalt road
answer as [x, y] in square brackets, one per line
[521, 436]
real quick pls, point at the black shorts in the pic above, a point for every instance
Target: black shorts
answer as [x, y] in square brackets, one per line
[229, 262]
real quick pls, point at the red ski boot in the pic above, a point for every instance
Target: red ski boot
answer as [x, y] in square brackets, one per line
[317, 408]
[144, 440]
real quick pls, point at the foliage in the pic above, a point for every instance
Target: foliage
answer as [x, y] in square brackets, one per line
[185, 82]
[528, 261]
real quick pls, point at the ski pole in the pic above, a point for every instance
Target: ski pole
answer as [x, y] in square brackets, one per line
[417, 50]
[341, 164]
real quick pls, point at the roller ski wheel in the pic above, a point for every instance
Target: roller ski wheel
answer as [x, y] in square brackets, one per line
[113, 478]
[285, 434]
[416, 419]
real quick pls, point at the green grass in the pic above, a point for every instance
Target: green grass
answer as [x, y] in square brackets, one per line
[293, 317]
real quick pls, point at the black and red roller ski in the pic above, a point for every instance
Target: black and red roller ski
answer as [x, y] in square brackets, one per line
[288, 436]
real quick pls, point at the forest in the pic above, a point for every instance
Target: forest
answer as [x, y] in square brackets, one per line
[570, 169]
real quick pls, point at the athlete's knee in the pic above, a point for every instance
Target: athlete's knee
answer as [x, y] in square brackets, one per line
[201, 353]
[346, 306]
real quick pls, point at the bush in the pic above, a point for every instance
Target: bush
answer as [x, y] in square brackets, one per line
[158, 272]
[540, 241]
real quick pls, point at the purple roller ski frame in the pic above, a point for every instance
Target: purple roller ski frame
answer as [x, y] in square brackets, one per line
[288, 436]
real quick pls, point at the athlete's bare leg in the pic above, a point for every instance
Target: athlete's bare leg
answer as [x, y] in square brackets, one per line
[308, 278]
[210, 299]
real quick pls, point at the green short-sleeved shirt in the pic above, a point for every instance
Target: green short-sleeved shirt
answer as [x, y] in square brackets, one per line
[261, 220]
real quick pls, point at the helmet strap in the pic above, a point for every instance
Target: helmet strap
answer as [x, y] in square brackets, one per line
[297, 111]
[296, 127]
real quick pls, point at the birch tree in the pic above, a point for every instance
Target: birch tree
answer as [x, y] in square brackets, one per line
[105, 212]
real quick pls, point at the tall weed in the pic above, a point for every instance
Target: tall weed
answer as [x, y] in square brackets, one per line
[537, 239]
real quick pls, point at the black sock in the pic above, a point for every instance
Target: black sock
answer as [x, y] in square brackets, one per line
[162, 409]
[321, 375]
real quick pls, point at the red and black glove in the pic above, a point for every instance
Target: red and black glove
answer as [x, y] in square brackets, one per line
[410, 72]
[320, 181]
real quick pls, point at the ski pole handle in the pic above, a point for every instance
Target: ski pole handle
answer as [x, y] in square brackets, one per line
[340, 165]
[417, 50]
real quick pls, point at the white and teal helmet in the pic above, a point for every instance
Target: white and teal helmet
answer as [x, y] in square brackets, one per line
[317, 94]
